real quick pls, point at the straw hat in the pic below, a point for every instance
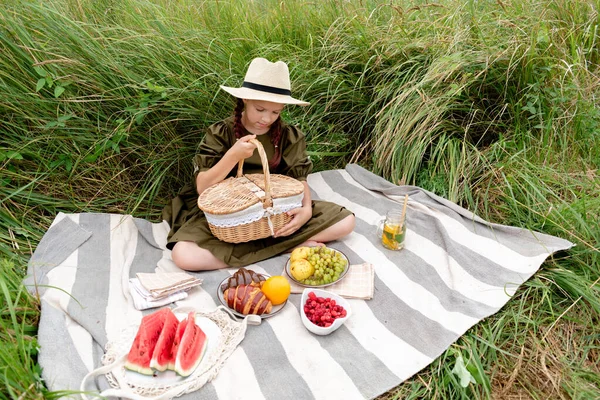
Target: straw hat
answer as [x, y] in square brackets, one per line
[266, 81]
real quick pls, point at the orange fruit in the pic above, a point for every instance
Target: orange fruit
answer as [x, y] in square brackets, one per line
[277, 289]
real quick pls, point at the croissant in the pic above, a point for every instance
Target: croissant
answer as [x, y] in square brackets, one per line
[247, 299]
[242, 276]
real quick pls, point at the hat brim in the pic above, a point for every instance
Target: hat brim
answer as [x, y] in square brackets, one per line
[252, 94]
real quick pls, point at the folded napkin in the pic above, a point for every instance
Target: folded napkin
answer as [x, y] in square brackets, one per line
[359, 283]
[142, 299]
[166, 283]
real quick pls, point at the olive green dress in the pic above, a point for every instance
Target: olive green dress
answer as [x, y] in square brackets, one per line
[188, 222]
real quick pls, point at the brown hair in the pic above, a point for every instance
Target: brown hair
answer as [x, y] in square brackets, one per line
[239, 130]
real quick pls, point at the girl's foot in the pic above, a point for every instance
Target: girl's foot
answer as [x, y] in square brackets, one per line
[312, 243]
[308, 243]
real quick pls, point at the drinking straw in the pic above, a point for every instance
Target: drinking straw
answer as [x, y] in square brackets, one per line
[403, 210]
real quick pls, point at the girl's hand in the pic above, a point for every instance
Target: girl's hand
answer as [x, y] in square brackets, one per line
[300, 216]
[242, 148]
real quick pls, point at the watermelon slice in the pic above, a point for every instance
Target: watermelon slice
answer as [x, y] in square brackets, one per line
[162, 355]
[191, 348]
[176, 341]
[145, 341]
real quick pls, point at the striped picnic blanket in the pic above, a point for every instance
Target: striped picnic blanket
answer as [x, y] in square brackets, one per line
[455, 270]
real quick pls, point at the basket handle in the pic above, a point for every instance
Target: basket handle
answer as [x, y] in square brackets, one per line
[268, 202]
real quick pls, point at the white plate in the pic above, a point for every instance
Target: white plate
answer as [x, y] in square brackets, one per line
[342, 275]
[212, 332]
[274, 310]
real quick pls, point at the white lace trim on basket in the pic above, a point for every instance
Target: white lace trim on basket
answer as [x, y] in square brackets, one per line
[255, 212]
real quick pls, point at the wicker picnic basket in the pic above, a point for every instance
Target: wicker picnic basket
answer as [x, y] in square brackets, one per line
[252, 206]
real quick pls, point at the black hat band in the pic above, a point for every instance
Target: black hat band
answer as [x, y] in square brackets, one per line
[268, 89]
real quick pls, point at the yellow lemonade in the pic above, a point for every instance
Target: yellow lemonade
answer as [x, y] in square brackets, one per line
[393, 236]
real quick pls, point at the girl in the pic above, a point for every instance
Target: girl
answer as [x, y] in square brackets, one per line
[264, 93]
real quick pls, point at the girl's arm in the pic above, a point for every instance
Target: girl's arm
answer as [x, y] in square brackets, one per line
[307, 201]
[300, 216]
[242, 149]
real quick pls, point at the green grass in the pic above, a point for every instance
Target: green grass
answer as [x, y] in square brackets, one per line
[18, 345]
[493, 105]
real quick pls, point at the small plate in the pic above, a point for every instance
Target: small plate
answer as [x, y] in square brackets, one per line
[212, 332]
[343, 274]
[274, 310]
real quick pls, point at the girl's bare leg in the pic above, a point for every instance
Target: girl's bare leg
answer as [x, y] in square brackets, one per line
[191, 257]
[334, 232]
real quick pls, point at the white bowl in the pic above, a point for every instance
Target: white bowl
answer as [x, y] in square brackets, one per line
[316, 329]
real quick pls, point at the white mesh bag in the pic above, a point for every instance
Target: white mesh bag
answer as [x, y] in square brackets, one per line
[224, 334]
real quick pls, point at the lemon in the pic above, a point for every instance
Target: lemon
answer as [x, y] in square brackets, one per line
[301, 269]
[393, 236]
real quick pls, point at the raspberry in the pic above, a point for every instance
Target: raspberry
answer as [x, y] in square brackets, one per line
[322, 311]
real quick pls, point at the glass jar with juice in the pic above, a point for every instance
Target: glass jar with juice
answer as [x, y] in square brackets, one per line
[392, 230]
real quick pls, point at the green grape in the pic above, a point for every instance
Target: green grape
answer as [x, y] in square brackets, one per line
[329, 265]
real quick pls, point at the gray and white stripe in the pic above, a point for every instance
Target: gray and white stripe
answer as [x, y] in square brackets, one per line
[455, 270]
